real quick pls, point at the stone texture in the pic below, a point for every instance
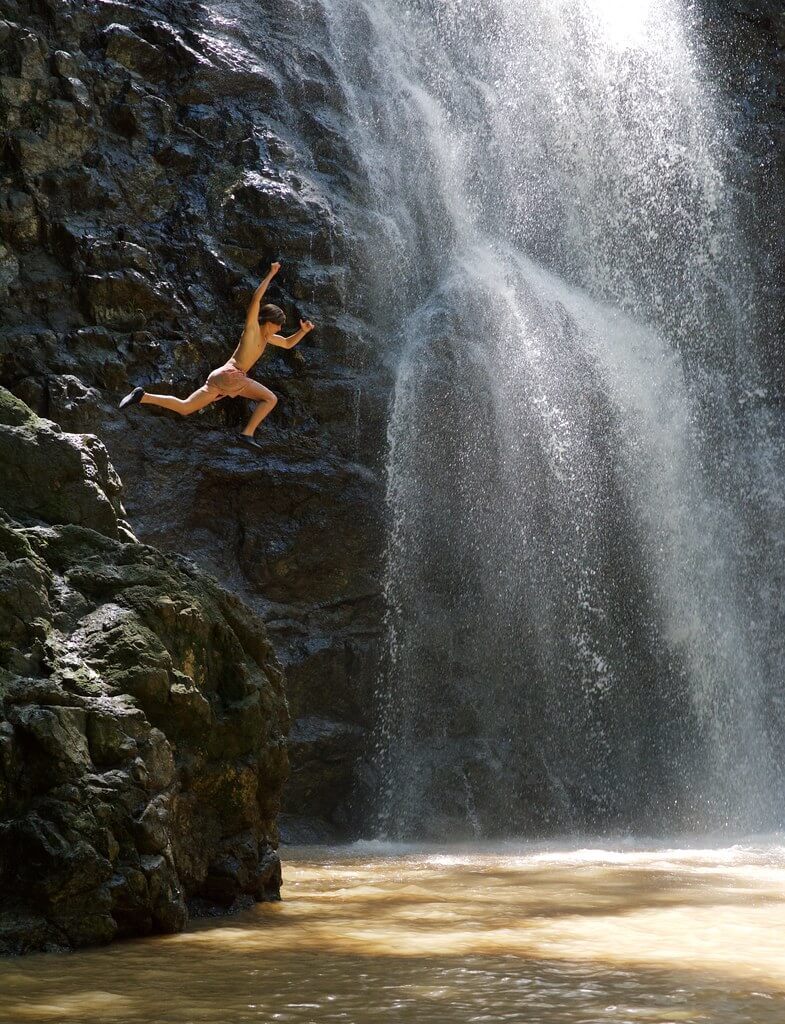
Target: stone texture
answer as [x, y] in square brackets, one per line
[156, 162]
[745, 41]
[143, 721]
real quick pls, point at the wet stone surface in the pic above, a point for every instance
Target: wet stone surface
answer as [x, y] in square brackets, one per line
[142, 714]
[157, 159]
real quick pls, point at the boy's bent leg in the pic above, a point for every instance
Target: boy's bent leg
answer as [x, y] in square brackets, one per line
[184, 406]
[267, 402]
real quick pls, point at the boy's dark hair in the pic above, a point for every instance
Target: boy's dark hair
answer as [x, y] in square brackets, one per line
[271, 314]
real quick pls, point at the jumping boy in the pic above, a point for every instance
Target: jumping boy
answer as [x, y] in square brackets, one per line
[231, 379]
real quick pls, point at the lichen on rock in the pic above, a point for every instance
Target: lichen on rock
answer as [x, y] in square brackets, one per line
[143, 722]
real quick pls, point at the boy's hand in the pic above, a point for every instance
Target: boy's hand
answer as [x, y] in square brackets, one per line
[274, 268]
[306, 326]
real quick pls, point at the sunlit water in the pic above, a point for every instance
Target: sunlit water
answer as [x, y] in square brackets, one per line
[507, 932]
[584, 472]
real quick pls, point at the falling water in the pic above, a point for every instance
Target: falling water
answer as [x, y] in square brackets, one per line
[584, 478]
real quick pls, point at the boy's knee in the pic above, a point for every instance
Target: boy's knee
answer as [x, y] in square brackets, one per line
[273, 400]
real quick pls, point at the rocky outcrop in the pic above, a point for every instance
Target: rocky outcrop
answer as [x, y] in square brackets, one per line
[142, 731]
[157, 156]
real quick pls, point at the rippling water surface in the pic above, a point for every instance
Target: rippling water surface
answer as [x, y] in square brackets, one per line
[509, 932]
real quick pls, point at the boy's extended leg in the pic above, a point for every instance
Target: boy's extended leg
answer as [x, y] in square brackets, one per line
[184, 406]
[267, 402]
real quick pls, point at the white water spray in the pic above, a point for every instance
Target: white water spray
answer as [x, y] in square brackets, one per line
[584, 480]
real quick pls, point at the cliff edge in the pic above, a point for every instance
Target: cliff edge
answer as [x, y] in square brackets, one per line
[143, 718]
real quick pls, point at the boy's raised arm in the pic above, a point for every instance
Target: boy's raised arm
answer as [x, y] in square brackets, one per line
[253, 309]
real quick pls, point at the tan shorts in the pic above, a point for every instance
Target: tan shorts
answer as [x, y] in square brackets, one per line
[228, 380]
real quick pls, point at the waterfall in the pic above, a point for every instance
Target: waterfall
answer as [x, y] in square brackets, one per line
[584, 474]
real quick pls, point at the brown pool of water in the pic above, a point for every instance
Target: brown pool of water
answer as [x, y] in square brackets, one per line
[375, 932]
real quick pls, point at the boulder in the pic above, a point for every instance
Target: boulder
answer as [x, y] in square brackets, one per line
[133, 52]
[53, 476]
[143, 718]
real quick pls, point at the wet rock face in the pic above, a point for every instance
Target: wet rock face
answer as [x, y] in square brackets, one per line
[143, 720]
[158, 156]
[745, 40]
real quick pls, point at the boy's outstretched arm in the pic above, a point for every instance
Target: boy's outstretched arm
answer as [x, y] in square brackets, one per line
[253, 309]
[291, 341]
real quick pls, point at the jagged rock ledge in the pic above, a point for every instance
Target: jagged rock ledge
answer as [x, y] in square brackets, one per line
[143, 721]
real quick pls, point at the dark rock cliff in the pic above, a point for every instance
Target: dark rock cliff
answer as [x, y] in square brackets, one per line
[143, 721]
[157, 156]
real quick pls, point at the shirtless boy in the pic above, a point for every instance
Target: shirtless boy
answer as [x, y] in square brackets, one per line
[231, 379]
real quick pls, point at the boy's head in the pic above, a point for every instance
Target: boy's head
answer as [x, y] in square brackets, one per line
[271, 314]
